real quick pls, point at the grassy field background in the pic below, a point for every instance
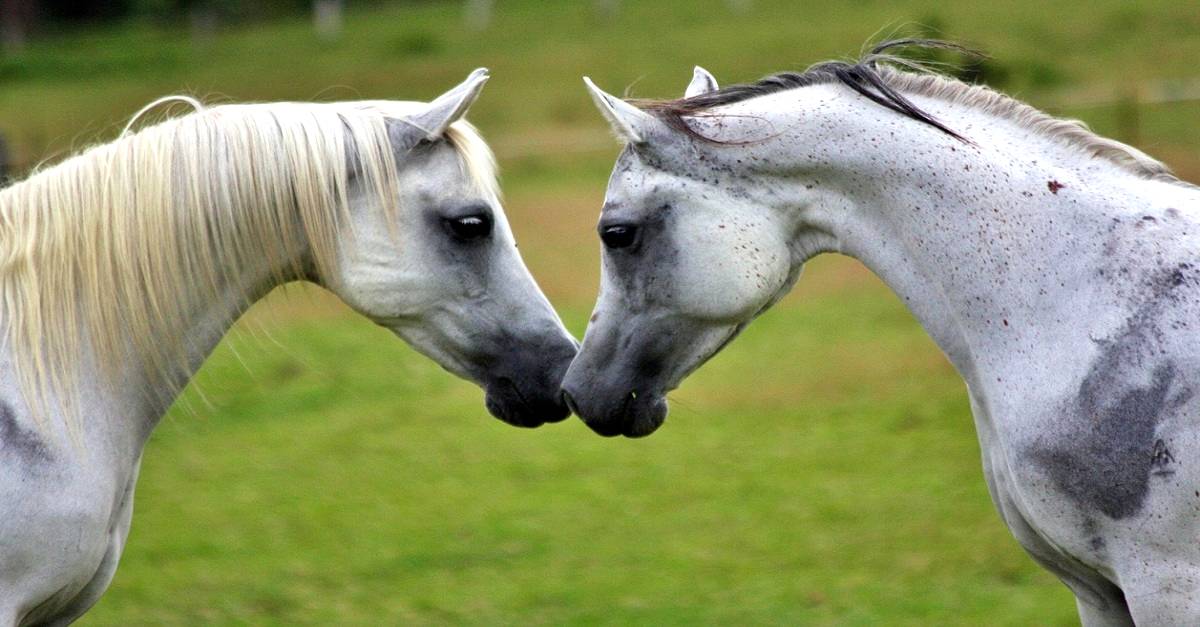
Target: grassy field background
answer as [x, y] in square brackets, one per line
[822, 470]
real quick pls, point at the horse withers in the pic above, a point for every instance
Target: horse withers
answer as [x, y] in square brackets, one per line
[1056, 269]
[122, 267]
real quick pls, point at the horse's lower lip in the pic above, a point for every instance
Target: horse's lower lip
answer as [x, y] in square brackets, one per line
[606, 429]
[643, 425]
[505, 400]
[637, 428]
[633, 419]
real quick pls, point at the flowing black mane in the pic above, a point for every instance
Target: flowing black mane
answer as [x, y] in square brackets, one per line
[863, 76]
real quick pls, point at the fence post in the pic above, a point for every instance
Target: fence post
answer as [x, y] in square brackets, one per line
[479, 14]
[328, 18]
[203, 19]
[16, 18]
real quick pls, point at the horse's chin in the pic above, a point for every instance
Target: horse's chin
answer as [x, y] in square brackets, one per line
[506, 401]
[635, 417]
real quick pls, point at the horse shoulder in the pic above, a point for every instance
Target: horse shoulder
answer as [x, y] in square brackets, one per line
[58, 515]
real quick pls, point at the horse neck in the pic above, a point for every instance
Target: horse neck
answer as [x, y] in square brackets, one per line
[202, 329]
[993, 245]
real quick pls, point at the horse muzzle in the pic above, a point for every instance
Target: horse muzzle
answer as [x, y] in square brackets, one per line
[525, 390]
[625, 412]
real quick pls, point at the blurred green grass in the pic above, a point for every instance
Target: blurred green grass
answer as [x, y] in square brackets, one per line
[822, 470]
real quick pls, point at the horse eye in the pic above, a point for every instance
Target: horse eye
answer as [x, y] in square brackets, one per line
[470, 228]
[619, 235]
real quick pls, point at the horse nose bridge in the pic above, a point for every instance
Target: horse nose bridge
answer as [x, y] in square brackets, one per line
[556, 356]
[592, 379]
[576, 383]
[536, 320]
[527, 315]
[601, 339]
[538, 356]
[583, 368]
[577, 375]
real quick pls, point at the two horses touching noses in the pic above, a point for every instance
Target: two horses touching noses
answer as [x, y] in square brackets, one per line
[1052, 266]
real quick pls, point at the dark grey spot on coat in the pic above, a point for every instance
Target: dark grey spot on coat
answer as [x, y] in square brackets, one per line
[1108, 452]
[16, 440]
[1108, 466]
[1096, 542]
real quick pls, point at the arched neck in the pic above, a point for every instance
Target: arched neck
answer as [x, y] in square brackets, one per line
[999, 253]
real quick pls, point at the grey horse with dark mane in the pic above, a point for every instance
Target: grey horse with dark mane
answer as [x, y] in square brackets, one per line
[1059, 271]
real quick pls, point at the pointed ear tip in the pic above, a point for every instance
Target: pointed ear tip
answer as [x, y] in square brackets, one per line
[471, 88]
[594, 90]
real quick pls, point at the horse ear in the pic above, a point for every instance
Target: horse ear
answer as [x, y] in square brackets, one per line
[702, 83]
[628, 122]
[449, 107]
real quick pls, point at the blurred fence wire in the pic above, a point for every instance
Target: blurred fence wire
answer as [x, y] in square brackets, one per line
[1128, 102]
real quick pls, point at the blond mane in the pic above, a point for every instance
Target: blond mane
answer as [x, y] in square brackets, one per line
[106, 253]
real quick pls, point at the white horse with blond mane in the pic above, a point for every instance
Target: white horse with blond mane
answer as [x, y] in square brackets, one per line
[122, 267]
[1058, 270]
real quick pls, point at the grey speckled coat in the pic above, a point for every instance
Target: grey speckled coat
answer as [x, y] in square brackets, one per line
[1064, 288]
